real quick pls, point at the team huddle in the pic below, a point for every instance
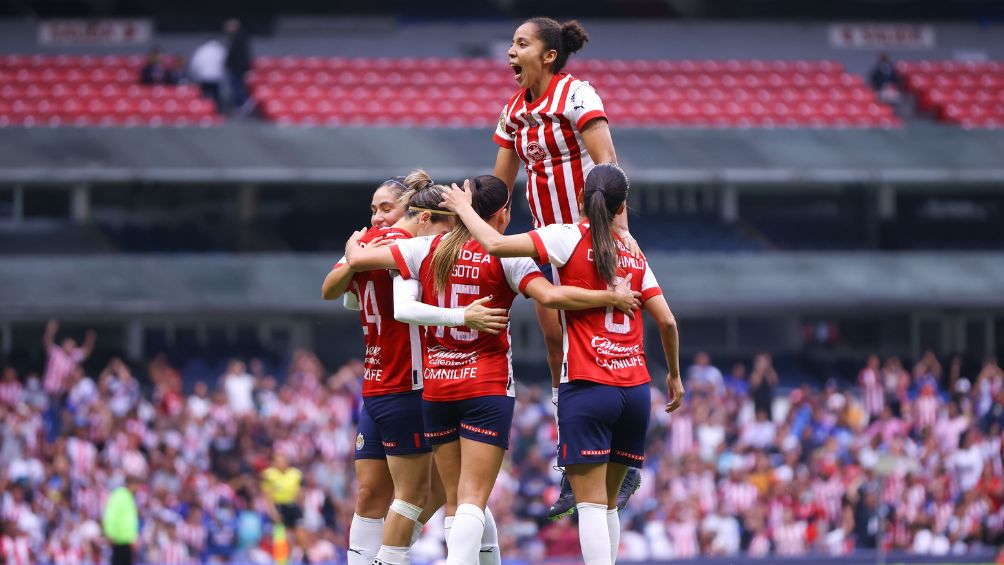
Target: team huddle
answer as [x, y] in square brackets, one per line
[434, 279]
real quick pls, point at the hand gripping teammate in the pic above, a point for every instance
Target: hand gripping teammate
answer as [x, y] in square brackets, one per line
[392, 457]
[603, 409]
[469, 392]
[556, 126]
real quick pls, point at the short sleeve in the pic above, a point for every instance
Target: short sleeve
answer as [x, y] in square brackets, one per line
[519, 271]
[409, 254]
[556, 243]
[583, 105]
[649, 285]
[504, 133]
[341, 262]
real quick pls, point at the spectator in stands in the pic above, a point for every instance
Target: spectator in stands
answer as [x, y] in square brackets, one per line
[63, 359]
[237, 63]
[703, 377]
[886, 80]
[206, 68]
[158, 70]
[763, 382]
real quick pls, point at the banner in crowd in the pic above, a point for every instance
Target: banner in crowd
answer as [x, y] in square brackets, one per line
[95, 32]
[882, 36]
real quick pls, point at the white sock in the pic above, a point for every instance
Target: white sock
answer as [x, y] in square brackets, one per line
[465, 537]
[365, 535]
[416, 531]
[447, 528]
[490, 554]
[614, 525]
[594, 535]
[392, 555]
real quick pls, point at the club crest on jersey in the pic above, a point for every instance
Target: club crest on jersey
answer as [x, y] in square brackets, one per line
[360, 441]
[535, 152]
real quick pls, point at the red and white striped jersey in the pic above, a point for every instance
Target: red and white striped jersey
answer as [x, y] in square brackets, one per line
[192, 535]
[681, 435]
[871, 388]
[738, 497]
[462, 363]
[393, 361]
[925, 412]
[684, 538]
[600, 345]
[14, 550]
[828, 495]
[83, 456]
[790, 538]
[546, 135]
[59, 367]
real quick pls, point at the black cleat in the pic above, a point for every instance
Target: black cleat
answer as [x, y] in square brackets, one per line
[632, 481]
[565, 505]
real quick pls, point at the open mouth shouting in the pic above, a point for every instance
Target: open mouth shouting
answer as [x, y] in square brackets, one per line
[518, 71]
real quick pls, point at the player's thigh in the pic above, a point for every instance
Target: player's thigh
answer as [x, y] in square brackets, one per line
[479, 467]
[375, 488]
[588, 482]
[411, 474]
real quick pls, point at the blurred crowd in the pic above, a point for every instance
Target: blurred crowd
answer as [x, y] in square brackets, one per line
[742, 468]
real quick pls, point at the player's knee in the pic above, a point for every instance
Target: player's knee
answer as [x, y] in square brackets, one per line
[371, 500]
[409, 510]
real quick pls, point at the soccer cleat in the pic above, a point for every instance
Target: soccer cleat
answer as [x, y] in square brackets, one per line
[565, 505]
[632, 481]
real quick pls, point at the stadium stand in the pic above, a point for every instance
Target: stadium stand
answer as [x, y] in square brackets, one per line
[970, 94]
[67, 90]
[422, 91]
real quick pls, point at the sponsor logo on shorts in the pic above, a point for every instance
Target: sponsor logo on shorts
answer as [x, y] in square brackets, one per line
[478, 430]
[360, 441]
[390, 444]
[629, 455]
[442, 433]
[594, 452]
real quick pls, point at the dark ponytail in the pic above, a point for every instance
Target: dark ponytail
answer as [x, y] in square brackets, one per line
[606, 189]
[565, 38]
[489, 195]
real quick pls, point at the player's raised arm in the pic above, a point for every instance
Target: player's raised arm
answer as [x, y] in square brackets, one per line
[459, 200]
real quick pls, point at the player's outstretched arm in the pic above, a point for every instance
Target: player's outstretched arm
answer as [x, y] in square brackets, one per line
[368, 258]
[663, 316]
[567, 297]
[458, 200]
[410, 310]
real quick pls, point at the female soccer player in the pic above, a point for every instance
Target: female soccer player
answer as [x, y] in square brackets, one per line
[603, 406]
[392, 456]
[556, 126]
[469, 392]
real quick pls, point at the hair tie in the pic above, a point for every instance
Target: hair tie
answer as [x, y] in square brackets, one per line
[431, 210]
